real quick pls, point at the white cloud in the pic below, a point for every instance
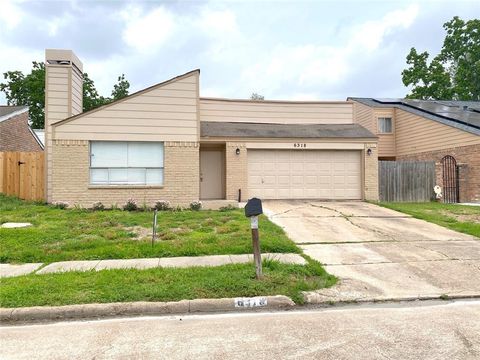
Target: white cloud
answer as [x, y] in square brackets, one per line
[145, 32]
[10, 14]
[319, 66]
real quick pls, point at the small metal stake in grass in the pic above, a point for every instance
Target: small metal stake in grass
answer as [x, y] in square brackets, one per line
[154, 229]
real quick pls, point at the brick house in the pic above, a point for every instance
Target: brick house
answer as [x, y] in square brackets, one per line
[15, 133]
[166, 142]
[427, 130]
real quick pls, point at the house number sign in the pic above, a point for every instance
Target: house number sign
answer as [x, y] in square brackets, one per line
[299, 145]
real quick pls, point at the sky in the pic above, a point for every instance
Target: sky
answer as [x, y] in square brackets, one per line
[291, 50]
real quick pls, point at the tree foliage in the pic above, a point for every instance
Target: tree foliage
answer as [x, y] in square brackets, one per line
[454, 74]
[257, 97]
[29, 90]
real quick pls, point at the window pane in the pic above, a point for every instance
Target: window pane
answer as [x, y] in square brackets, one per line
[99, 176]
[118, 176]
[145, 154]
[108, 154]
[384, 125]
[155, 176]
[136, 176]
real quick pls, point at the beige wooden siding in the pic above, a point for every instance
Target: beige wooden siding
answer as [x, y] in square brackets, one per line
[57, 95]
[386, 142]
[77, 92]
[363, 115]
[415, 134]
[164, 113]
[280, 112]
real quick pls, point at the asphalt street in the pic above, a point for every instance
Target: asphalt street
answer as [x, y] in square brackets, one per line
[415, 330]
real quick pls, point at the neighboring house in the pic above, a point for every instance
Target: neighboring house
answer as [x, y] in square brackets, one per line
[15, 133]
[427, 130]
[167, 143]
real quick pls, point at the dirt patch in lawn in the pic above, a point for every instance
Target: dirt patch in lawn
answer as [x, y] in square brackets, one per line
[473, 218]
[140, 232]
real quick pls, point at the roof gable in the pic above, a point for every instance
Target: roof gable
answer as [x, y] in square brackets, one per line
[112, 105]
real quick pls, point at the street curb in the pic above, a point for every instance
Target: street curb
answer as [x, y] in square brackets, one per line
[333, 302]
[183, 307]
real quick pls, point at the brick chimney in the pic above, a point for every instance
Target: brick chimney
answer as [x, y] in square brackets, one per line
[63, 97]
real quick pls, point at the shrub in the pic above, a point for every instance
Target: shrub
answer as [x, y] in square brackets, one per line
[195, 205]
[115, 206]
[130, 205]
[98, 206]
[60, 205]
[163, 205]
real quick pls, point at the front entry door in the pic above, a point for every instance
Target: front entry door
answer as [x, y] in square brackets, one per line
[211, 174]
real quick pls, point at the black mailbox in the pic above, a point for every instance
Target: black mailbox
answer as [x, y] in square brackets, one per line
[253, 207]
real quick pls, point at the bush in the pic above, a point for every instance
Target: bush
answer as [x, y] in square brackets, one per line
[60, 205]
[98, 206]
[195, 205]
[162, 205]
[130, 205]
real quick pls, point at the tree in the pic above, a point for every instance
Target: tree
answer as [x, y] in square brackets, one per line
[120, 89]
[454, 74]
[29, 90]
[257, 97]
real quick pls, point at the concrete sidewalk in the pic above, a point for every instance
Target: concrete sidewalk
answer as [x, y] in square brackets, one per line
[10, 270]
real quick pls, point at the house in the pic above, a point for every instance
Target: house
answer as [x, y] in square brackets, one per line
[15, 133]
[166, 142]
[446, 132]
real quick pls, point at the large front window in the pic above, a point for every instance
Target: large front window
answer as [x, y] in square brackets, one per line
[126, 163]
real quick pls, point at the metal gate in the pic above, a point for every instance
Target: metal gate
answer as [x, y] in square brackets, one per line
[450, 179]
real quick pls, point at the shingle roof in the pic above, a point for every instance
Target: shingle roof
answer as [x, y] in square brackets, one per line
[463, 115]
[258, 130]
[6, 111]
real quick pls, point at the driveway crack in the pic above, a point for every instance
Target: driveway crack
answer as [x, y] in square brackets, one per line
[347, 217]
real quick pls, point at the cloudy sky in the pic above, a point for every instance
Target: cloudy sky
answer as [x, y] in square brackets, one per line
[281, 49]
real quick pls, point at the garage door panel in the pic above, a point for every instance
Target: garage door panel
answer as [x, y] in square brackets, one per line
[304, 174]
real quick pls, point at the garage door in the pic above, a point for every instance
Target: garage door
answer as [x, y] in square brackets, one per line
[304, 174]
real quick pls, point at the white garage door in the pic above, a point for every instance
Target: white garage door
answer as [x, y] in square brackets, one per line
[304, 174]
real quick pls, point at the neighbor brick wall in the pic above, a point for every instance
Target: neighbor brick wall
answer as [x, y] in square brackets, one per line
[468, 160]
[15, 135]
[371, 172]
[70, 177]
[236, 171]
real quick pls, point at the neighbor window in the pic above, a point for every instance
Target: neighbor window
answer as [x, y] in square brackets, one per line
[384, 125]
[131, 163]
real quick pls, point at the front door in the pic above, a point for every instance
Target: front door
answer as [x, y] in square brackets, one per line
[211, 174]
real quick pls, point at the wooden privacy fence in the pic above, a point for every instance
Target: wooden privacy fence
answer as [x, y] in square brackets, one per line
[408, 181]
[22, 174]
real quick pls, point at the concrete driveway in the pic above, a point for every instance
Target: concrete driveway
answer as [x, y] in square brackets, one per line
[380, 254]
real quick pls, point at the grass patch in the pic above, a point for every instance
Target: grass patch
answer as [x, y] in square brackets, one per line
[462, 218]
[76, 234]
[163, 284]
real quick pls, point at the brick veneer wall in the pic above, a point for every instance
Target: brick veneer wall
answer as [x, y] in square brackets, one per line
[70, 177]
[15, 135]
[468, 160]
[236, 171]
[371, 172]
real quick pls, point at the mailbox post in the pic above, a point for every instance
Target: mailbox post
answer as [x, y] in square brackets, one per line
[252, 210]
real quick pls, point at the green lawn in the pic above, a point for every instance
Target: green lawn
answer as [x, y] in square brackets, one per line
[58, 235]
[162, 284]
[462, 218]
